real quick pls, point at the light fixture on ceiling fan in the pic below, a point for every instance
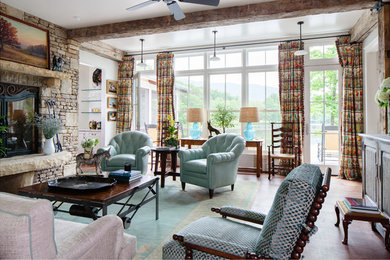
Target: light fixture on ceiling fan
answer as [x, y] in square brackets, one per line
[174, 7]
[142, 63]
[301, 51]
[215, 58]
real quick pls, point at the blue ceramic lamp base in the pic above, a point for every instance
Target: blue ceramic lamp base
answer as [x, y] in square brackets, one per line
[195, 131]
[249, 133]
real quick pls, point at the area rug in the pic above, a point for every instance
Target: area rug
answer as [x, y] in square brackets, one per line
[177, 209]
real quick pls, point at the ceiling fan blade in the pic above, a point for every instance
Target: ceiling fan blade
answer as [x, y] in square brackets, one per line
[202, 2]
[175, 9]
[138, 6]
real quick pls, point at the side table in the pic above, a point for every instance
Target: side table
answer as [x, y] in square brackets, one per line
[349, 216]
[161, 158]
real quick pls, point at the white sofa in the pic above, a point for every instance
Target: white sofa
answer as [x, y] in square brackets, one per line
[28, 230]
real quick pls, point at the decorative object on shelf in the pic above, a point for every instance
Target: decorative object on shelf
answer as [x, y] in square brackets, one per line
[111, 116]
[88, 146]
[111, 102]
[212, 130]
[92, 124]
[249, 115]
[98, 125]
[95, 160]
[50, 127]
[35, 49]
[97, 76]
[382, 96]
[57, 64]
[301, 51]
[96, 110]
[215, 58]
[111, 86]
[172, 139]
[223, 117]
[195, 115]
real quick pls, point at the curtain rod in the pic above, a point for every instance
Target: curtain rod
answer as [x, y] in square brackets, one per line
[237, 45]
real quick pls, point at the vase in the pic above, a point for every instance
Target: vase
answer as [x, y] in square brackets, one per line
[48, 146]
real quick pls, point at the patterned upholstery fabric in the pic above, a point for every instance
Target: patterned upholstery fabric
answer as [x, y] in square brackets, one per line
[289, 211]
[217, 233]
[249, 214]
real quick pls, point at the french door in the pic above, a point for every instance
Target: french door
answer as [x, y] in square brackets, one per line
[322, 116]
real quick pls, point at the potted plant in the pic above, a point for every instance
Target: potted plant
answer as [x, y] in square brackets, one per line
[172, 138]
[223, 117]
[50, 127]
[88, 146]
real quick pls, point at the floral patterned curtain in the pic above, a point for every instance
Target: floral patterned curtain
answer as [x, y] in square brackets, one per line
[125, 89]
[165, 82]
[350, 57]
[291, 90]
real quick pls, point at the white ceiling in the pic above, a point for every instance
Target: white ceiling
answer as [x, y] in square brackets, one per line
[95, 12]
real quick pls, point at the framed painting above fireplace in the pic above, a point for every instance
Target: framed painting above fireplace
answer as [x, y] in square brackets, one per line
[23, 42]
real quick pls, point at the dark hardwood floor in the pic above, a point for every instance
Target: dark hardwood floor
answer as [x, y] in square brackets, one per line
[363, 243]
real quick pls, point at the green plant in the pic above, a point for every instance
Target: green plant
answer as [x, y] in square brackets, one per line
[172, 136]
[3, 129]
[382, 96]
[223, 117]
[89, 143]
[50, 126]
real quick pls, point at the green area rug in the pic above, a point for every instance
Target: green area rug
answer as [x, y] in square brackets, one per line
[177, 209]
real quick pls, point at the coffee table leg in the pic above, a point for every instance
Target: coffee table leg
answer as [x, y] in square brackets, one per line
[337, 215]
[104, 212]
[157, 199]
[346, 222]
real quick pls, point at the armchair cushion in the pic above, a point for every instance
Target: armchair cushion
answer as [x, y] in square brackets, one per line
[121, 159]
[199, 165]
[254, 216]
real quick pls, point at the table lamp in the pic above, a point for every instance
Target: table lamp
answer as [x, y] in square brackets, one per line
[249, 115]
[195, 115]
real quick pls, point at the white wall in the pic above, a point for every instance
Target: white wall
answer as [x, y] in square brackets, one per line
[371, 83]
[109, 71]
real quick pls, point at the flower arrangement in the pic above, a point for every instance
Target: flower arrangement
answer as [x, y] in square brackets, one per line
[172, 138]
[89, 143]
[382, 96]
[50, 126]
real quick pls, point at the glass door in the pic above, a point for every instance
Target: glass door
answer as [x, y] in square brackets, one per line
[322, 101]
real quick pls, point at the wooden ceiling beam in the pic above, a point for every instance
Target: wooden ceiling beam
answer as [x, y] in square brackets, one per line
[218, 17]
[364, 26]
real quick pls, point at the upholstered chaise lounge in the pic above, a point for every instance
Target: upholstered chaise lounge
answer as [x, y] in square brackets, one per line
[128, 147]
[285, 229]
[28, 230]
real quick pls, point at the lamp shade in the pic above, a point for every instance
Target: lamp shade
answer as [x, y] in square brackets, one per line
[195, 115]
[249, 114]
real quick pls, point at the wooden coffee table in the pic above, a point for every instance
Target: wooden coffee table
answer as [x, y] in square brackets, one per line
[95, 204]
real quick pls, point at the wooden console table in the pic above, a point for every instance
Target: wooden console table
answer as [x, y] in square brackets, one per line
[254, 143]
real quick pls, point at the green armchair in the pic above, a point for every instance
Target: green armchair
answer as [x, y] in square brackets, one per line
[133, 147]
[285, 230]
[214, 165]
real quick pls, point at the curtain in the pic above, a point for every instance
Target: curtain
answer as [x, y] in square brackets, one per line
[165, 82]
[125, 89]
[291, 90]
[350, 57]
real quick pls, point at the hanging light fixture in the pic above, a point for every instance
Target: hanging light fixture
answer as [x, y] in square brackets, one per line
[301, 51]
[142, 63]
[215, 58]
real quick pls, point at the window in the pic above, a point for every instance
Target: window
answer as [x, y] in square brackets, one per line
[226, 60]
[189, 63]
[263, 57]
[323, 52]
[149, 65]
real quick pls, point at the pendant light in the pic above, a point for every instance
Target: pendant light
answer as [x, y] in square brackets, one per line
[301, 51]
[215, 58]
[142, 63]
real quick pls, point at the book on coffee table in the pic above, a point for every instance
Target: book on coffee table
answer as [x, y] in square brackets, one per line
[125, 176]
[364, 205]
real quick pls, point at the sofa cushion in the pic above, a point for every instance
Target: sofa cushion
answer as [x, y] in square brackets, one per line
[289, 211]
[199, 166]
[121, 159]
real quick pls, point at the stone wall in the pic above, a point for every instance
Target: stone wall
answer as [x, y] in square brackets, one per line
[65, 93]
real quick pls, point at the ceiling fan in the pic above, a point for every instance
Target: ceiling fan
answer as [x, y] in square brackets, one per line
[174, 7]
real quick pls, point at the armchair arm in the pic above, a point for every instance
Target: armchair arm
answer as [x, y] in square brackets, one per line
[191, 154]
[211, 246]
[101, 239]
[243, 214]
[105, 148]
[142, 151]
[220, 157]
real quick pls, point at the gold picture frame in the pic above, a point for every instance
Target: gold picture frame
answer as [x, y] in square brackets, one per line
[111, 102]
[111, 116]
[112, 86]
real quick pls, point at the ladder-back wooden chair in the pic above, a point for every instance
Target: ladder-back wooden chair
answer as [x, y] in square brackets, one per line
[281, 137]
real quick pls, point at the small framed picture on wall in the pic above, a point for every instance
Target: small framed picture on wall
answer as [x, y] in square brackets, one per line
[111, 116]
[111, 86]
[111, 102]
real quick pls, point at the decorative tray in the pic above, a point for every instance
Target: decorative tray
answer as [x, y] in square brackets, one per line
[81, 183]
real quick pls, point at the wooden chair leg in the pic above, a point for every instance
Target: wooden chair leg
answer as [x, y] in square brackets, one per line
[211, 193]
[232, 187]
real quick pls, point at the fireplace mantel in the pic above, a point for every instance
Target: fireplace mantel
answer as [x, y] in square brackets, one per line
[31, 70]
